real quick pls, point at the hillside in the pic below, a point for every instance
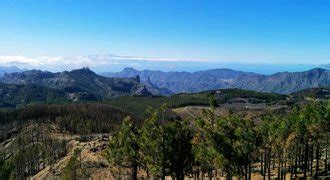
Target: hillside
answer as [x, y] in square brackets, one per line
[80, 81]
[283, 82]
[139, 105]
[12, 95]
[319, 93]
[28, 134]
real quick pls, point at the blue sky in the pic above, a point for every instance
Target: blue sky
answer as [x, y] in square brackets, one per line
[236, 31]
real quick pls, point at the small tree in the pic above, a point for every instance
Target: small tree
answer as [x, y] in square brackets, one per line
[206, 157]
[124, 147]
[180, 151]
[154, 143]
[213, 102]
[73, 168]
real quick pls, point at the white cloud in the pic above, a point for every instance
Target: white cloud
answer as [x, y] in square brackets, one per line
[90, 60]
[40, 61]
[56, 63]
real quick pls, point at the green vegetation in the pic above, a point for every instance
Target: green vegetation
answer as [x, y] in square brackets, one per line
[125, 147]
[226, 146]
[73, 118]
[73, 169]
[29, 153]
[146, 137]
[12, 95]
[321, 93]
[132, 148]
[139, 105]
[6, 169]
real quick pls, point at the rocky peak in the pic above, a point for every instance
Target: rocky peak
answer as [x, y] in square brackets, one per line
[141, 90]
[83, 71]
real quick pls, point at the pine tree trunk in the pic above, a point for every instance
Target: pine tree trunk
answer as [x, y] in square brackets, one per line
[163, 172]
[317, 161]
[291, 165]
[210, 174]
[134, 172]
[311, 158]
[163, 159]
[216, 173]
[306, 160]
[284, 172]
[265, 164]
[299, 156]
[269, 162]
[228, 177]
[179, 175]
[261, 165]
[250, 171]
[296, 163]
[279, 167]
[326, 156]
[246, 172]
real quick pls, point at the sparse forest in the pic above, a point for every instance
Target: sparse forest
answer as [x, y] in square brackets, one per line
[283, 146]
[287, 144]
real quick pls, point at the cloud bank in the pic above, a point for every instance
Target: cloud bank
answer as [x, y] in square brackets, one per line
[92, 61]
[113, 63]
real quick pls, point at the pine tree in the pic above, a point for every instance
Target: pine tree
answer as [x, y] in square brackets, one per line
[124, 147]
[203, 148]
[154, 143]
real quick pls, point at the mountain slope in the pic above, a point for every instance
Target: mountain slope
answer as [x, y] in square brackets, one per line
[320, 93]
[283, 83]
[80, 81]
[12, 95]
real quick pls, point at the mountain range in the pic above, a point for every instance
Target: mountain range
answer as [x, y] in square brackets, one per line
[83, 84]
[182, 82]
[79, 82]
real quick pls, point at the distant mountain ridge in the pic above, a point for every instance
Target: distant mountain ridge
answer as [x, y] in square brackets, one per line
[179, 82]
[11, 69]
[79, 81]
